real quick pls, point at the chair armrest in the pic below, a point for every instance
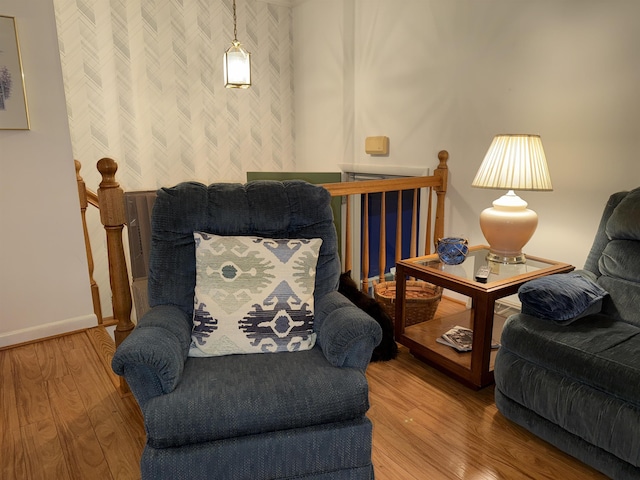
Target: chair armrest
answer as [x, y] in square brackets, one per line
[346, 334]
[152, 357]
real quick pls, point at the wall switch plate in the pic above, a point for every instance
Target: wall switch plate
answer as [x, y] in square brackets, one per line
[376, 145]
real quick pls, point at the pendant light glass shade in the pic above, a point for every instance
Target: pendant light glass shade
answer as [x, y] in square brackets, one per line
[237, 67]
[237, 61]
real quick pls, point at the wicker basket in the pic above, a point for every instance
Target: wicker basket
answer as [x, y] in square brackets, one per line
[422, 300]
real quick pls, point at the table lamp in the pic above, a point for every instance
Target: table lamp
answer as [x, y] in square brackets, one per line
[513, 162]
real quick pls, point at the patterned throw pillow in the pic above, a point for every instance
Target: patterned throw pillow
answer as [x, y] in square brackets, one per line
[253, 295]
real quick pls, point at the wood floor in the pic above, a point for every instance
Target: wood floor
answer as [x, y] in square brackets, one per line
[62, 418]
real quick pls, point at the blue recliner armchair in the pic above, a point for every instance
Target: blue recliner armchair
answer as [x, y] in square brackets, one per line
[568, 369]
[292, 414]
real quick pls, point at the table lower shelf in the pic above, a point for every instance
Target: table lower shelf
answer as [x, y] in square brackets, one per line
[421, 340]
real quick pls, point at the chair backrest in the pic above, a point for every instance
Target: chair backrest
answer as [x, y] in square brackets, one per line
[270, 209]
[615, 256]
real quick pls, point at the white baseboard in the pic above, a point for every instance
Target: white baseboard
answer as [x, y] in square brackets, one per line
[47, 330]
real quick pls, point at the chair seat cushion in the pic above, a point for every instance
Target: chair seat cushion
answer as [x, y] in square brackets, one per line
[235, 395]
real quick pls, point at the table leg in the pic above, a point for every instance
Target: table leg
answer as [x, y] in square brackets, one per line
[482, 333]
[401, 281]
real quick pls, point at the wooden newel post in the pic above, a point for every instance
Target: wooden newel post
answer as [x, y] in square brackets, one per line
[441, 171]
[112, 216]
[84, 203]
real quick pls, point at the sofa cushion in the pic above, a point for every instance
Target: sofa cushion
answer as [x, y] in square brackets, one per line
[562, 298]
[585, 377]
[210, 404]
[596, 420]
[595, 350]
[253, 294]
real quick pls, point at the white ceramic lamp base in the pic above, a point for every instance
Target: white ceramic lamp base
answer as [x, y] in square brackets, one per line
[508, 226]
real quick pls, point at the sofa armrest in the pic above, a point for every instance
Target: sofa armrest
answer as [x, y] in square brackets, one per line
[152, 357]
[346, 334]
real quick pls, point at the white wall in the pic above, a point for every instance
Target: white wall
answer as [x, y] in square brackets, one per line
[450, 74]
[323, 73]
[44, 285]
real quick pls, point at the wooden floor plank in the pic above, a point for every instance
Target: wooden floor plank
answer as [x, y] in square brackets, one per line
[70, 342]
[12, 461]
[127, 405]
[100, 400]
[103, 345]
[390, 467]
[52, 365]
[43, 451]
[82, 449]
[31, 394]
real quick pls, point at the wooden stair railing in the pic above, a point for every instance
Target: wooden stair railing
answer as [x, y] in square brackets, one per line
[112, 216]
[86, 198]
[110, 199]
[436, 182]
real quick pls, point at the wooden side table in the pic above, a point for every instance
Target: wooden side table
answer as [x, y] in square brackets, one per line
[475, 368]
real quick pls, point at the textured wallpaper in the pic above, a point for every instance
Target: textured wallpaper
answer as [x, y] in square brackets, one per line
[143, 81]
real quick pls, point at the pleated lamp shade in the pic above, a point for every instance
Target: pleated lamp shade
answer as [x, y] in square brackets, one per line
[513, 162]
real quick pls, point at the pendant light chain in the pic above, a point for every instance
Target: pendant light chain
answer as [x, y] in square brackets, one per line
[235, 28]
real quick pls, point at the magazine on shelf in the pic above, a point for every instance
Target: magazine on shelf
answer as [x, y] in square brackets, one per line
[460, 338]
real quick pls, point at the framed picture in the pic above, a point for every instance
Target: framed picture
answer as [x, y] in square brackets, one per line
[13, 98]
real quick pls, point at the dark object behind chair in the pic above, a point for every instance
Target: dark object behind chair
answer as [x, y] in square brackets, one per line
[388, 348]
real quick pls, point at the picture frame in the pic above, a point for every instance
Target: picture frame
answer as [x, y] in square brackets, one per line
[14, 114]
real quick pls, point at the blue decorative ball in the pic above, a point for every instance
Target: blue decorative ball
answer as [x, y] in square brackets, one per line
[452, 250]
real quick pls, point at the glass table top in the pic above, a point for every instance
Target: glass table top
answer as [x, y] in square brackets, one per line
[477, 258]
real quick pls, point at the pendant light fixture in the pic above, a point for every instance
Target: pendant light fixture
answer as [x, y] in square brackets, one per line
[237, 61]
